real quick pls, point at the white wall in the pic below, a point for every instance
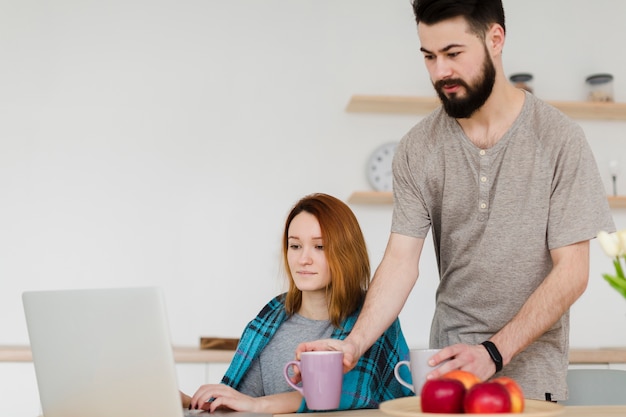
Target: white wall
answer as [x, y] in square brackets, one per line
[163, 142]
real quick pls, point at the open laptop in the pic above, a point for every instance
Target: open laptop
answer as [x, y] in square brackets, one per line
[103, 352]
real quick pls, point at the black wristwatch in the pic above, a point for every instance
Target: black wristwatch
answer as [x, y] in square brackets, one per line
[494, 353]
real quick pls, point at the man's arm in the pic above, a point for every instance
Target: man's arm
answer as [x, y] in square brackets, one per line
[560, 289]
[392, 283]
[390, 287]
[565, 283]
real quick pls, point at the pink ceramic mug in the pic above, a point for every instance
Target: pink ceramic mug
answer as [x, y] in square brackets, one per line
[322, 376]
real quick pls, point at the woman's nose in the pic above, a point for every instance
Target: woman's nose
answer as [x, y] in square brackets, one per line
[305, 258]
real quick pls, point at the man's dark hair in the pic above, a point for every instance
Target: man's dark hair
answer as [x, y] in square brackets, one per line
[480, 14]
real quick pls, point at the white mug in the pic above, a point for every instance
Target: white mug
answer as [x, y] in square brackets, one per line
[419, 368]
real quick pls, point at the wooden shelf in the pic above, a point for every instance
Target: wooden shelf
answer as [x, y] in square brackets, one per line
[392, 104]
[424, 105]
[195, 355]
[182, 354]
[376, 197]
[617, 201]
[371, 197]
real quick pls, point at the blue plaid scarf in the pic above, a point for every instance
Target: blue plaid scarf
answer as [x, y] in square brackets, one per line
[369, 383]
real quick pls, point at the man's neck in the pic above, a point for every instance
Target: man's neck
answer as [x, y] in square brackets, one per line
[489, 123]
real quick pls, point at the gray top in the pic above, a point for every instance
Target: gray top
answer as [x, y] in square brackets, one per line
[265, 376]
[495, 214]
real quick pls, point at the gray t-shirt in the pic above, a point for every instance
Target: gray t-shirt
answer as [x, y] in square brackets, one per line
[265, 376]
[495, 214]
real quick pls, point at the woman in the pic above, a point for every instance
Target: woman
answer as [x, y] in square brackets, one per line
[326, 261]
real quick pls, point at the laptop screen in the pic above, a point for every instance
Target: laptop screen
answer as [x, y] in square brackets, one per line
[102, 352]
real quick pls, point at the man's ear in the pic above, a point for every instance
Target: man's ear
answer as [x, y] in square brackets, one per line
[495, 39]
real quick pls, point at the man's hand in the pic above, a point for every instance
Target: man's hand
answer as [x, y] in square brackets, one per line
[350, 353]
[471, 358]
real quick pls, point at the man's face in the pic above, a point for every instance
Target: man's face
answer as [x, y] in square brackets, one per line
[459, 65]
[477, 91]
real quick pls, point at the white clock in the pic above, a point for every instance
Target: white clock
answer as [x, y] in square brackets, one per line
[379, 172]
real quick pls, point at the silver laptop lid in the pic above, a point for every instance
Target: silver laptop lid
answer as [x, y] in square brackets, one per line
[104, 352]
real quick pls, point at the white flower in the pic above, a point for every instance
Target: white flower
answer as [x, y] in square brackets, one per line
[610, 242]
[614, 244]
[621, 237]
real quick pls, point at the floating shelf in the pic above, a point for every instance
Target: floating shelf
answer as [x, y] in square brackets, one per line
[617, 201]
[424, 105]
[377, 198]
[371, 197]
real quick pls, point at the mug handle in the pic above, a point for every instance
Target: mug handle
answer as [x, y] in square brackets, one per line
[286, 374]
[396, 372]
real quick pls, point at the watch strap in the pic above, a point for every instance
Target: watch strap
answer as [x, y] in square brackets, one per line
[493, 351]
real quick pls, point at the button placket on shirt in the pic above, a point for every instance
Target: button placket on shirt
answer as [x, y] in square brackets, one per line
[483, 179]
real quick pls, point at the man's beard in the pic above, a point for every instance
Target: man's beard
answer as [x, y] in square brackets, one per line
[476, 96]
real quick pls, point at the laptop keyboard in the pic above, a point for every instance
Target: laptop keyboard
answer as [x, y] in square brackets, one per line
[190, 413]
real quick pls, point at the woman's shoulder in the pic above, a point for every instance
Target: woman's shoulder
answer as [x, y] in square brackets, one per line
[275, 304]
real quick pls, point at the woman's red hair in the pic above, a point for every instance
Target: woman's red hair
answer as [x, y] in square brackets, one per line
[346, 254]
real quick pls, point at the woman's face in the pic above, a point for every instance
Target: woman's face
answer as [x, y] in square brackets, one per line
[305, 254]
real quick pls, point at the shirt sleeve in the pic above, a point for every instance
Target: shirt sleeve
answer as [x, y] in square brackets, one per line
[578, 205]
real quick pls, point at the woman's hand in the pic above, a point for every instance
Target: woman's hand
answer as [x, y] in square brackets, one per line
[225, 397]
[210, 397]
[185, 399]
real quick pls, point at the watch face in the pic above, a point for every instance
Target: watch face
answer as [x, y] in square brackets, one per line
[379, 172]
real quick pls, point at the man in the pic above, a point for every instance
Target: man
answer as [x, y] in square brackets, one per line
[512, 194]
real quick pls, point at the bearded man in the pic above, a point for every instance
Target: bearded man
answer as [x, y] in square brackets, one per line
[512, 194]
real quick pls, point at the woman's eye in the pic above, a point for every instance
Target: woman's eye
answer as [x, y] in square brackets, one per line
[319, 247]
[294, 246]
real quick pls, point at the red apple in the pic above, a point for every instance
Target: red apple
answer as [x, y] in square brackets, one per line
[467, 378]
[442, 396]
[515, 392]
[487, 397]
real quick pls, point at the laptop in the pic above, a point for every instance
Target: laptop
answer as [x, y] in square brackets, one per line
[103, 352]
